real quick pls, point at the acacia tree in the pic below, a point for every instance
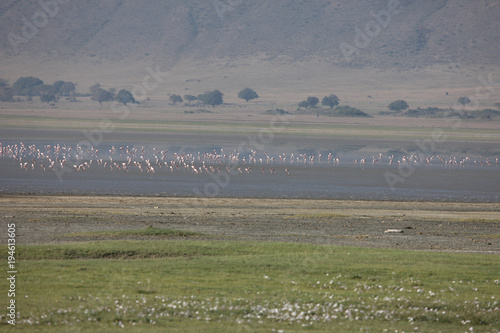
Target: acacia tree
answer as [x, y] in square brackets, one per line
[176, 99]
[330, 101]
[190, 98]
[312, 101]
[125, 96]
[398, 105]
[64, 88]
[464, 100]
[99, 94]
[248, 94]
[27, 86]
[211, 98]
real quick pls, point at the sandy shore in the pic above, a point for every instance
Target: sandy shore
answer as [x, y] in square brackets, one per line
[447, 227]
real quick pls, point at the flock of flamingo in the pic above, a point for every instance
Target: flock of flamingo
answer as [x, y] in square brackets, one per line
[150, 160]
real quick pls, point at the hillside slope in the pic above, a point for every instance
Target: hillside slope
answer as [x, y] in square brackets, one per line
[414, 34]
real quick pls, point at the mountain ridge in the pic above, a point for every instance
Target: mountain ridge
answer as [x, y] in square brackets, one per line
[415, 34]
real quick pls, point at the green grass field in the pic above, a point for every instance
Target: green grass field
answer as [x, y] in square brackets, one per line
[213, 286]
[283, 127]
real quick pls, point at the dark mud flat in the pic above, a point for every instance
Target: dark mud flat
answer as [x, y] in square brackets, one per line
[475, 184]
[427, 226]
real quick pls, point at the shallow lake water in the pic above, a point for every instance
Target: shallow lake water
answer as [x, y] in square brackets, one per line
[48, 168]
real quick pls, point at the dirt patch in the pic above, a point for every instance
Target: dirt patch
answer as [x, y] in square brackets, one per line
[447, 227]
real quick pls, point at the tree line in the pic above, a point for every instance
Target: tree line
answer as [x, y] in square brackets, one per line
[213, 98]
[312, 101]
[99, 94]
[32, 86]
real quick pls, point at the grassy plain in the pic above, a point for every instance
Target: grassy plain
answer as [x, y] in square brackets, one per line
[215, 286]
[328, 127]
[202, 265]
